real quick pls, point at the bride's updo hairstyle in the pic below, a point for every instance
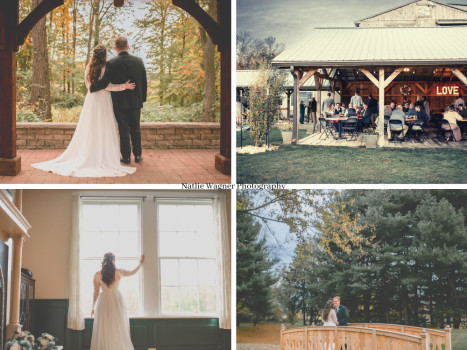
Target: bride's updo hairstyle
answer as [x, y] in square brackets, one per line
[99, 57]
[327, 309]
[108, 269]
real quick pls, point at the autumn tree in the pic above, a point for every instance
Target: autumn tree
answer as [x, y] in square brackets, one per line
[209, 66]
[40, 86]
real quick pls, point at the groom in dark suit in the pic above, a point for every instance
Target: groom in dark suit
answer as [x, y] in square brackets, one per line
[341, 312]
[126, 104]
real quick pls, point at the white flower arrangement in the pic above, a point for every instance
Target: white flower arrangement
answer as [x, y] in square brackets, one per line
[25, 341]
[20, 341]
[47, 342]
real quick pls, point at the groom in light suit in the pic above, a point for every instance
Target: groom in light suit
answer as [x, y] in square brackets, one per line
[341, 312]
[126, 104]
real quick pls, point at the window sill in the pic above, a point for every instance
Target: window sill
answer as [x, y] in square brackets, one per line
[162, 317]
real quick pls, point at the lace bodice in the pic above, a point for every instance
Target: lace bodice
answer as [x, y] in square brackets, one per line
[110, 87]
[332, 318]
[119, 273]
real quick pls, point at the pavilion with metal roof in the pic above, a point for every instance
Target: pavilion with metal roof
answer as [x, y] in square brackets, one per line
[377, 55]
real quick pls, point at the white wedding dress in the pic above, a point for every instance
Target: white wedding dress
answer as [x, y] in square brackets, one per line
[94, 150]
[111, 329]
[332, 319]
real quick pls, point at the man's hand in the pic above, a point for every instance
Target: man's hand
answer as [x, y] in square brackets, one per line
[337, 323]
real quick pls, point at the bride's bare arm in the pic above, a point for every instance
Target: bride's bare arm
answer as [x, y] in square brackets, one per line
[334, 316]
[97, 289]
[126, 273]
[121, 87]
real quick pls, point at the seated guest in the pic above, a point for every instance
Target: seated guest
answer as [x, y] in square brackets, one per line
[387, 110]
[350, 112]
[398, 114]
[393, 105]
[330, 111]
[452, 117]
[367, 114]
[411, 110]
[422, 116]
[406, 107]
[463, 111]
[343, 108]
[339, 110]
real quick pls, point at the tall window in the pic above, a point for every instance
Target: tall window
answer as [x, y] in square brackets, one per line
[111, 225]
[187, 257]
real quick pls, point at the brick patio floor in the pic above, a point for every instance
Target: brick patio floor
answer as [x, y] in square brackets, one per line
[159, 166]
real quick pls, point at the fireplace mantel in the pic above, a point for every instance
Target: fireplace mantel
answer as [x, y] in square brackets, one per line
[12, 221]
[15, 226]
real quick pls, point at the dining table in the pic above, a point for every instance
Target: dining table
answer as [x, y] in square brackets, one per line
[339, 120]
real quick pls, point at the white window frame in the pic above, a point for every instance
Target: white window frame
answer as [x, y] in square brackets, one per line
[150, 273]
[99, 200]
[165, 200]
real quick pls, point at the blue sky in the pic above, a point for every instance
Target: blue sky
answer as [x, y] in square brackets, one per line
[290, 20]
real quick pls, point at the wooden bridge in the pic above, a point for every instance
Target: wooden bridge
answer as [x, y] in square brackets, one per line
[366, 336]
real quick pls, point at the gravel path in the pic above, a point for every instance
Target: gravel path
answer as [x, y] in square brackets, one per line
[258, 347]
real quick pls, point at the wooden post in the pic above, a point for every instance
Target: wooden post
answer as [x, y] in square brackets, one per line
[373, 338]
[381, 108]
[459, 75]
[296, 91]
[288, 92]
[223, 159]
[448, 338]
[319, 85]
[425, 342]
[10, 163]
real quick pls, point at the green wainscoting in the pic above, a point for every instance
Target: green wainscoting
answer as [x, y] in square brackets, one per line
[50, 315]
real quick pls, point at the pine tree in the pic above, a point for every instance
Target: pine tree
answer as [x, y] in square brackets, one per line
[254, 275]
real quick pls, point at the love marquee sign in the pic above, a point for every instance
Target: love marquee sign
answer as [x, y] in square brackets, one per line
[452, 89]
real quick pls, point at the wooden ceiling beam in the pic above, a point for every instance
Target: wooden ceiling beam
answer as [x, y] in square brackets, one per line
[35, 16]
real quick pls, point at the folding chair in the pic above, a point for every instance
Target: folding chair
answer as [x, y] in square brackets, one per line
[350, 127]
[444, 130]
[325, 127]
[396, 127]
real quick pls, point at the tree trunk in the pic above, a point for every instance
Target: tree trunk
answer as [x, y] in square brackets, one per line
[75, 10]
[209, 68]
[40, 87]
[90, 33]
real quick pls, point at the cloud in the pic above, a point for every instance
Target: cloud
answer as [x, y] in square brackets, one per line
[290, 21]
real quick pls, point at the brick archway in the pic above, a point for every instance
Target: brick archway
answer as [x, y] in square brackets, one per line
[13, 35]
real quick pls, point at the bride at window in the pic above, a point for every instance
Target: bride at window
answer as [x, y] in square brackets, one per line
[111, 330]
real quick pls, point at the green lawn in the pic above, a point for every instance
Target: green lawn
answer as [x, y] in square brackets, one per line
[267, 333]
[292, 164]
[459, 339]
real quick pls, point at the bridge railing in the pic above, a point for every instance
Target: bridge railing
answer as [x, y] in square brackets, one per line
[436, 338]
[355, 338]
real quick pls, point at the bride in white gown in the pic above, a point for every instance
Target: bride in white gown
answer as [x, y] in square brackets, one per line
[111, 329]
[94, 150]
[329, 314]
[329, 317]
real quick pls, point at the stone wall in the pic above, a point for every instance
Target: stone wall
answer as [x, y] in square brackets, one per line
[153, 135]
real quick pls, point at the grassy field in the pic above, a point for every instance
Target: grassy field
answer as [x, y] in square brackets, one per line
[267, 333]
[292, 164]
[264, 333]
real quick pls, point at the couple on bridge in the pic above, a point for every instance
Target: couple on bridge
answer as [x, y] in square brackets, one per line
[335, 314]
